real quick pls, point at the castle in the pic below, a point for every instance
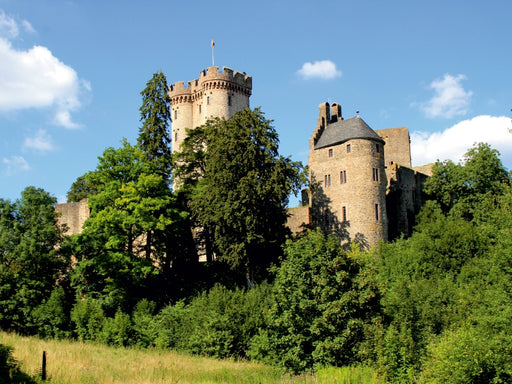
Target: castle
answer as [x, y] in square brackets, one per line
[362, 186]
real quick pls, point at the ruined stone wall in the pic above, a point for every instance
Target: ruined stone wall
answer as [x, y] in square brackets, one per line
[398, 148]
[349, 189]
[299, 218]
[213, 94]
[73, 215]
[404, 200]
[425, 169]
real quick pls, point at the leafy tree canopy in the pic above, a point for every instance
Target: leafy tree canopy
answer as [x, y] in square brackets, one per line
[30, 261]
[239, 187]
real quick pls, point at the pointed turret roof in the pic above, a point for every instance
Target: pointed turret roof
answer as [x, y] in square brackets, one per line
[343, 130]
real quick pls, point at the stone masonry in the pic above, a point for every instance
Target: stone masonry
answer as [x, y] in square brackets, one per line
[362, 186]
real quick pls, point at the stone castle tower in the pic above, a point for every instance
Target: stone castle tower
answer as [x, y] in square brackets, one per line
[348, 177]
[213, 94]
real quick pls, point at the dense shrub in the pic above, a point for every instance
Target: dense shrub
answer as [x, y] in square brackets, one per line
[88, 317]
[321, 303]
[52, 317]
[220, 322]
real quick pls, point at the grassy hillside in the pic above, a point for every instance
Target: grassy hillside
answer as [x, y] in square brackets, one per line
[74, 362]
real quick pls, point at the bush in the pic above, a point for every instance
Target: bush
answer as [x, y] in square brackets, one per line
[88, 316]
[219, 323]
[118, 330]
[321, 304]
[144, 325]
[52, 317]
[469, 355]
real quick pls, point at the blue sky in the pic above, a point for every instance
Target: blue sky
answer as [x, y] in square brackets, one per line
[71, 73]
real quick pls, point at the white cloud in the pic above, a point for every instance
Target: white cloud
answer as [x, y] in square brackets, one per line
[8, 26]
[450, 98]
[36, 79]
[324, 69]
[41, 142]
[454, 142]
[15, 164]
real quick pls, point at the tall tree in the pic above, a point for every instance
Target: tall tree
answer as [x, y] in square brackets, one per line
[155, 115]
[30, 261]
[116, 262]
[460, 187]
[81, 189]
[240, 189]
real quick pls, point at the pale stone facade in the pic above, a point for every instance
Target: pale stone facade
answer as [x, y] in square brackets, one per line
[73, 215]
[213, 94]
[347, 177]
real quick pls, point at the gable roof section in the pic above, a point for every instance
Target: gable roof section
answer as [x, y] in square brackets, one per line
[344, 130]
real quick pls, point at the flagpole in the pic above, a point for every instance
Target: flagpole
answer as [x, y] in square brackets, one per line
[213, 57]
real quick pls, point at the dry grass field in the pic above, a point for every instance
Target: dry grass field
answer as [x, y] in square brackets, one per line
[70, 362]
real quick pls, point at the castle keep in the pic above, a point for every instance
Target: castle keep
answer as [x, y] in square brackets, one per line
[362, 186]
[213, 94]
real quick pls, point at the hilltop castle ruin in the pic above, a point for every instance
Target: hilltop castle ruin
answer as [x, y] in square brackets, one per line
[362, 186]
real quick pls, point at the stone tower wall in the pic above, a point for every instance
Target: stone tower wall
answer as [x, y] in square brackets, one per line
[359, 194]
[213, 94]
[73, 215]
[398, 149]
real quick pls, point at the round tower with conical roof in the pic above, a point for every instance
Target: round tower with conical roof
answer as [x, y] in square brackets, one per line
[347, 175]
[213, 94]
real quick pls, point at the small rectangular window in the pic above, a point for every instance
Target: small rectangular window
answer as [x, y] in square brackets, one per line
[344, 214]
[377, 148]
[175, 114]
[348, 148]
[375, 174]
[377, 212]
[208, 100]
[343, 177]
[199, 108]
[327, 181]
[229, 100]
[330, 152]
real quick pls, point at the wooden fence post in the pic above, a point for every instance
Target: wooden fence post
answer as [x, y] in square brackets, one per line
[43, 368]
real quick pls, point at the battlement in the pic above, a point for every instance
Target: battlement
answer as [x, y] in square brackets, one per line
[212, 78]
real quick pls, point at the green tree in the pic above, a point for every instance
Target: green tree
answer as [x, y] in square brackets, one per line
[81, 189]
[240, 189]
[30, 262]
[115, 260]
[322, 301]
[460, 187]
[154, 137]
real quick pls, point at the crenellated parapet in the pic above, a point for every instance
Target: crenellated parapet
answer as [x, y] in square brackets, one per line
[211, 79]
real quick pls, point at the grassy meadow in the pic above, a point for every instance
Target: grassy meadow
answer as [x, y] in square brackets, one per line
[75, 362]
[71, 362]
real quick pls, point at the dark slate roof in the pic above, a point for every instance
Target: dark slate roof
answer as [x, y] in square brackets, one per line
[344, 130]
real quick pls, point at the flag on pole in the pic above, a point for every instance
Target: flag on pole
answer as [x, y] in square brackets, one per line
[213, 57]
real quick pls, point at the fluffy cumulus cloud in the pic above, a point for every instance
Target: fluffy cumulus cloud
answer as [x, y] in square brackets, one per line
[450, 98]
[454, 142]
[35, 78]
[324, 69]
[15, 164]
[40, 142]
